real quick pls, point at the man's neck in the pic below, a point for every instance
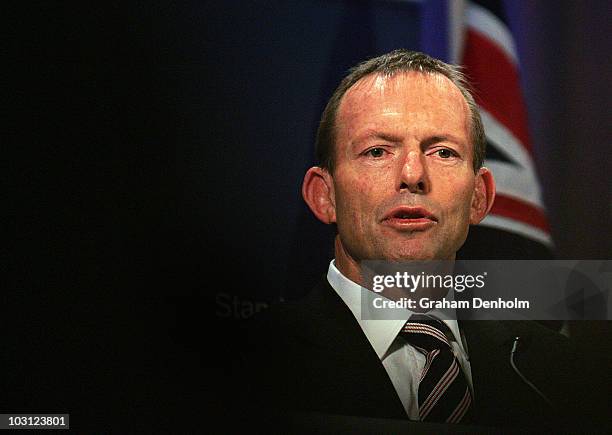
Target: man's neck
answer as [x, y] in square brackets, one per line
[351, 268]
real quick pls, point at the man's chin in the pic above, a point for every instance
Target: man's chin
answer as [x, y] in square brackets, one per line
[417, 255]
[410, 255]
[414, 249]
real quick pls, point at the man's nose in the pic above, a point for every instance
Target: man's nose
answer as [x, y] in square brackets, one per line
[413, 176]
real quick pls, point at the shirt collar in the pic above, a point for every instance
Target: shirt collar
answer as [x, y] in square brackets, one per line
[379, 332]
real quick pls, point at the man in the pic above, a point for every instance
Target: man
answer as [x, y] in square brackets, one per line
[400, 149]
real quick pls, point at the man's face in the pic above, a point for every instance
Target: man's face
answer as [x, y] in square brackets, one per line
[403, 182]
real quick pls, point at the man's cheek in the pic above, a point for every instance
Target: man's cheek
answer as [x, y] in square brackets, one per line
[362, 185]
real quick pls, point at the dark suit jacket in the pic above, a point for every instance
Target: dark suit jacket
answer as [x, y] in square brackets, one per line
[311, 355]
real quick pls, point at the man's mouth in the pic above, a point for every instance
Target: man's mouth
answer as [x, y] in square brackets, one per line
[410, 218]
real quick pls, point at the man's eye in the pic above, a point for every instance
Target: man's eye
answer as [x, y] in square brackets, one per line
[445, 153]
[376, 152]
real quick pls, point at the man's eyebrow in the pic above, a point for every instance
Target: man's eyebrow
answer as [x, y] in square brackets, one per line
[375, 134]
[443, 138]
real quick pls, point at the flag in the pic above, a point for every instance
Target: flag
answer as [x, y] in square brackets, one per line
[517, 226]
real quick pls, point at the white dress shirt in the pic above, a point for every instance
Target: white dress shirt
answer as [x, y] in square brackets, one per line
[402, 361]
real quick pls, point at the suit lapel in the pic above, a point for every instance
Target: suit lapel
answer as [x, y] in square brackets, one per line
[348, 358]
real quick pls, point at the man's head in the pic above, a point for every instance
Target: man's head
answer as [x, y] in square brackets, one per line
[401, 148]
[390, 64]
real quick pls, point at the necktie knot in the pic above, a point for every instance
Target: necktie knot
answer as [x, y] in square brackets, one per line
[426, 333]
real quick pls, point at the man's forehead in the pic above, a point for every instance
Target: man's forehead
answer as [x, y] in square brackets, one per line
[379, 85]
[403, 92]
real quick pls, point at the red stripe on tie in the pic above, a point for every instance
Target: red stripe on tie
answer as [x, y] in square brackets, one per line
[496, 81]
[430, 357]
[461, 408]
[439, 389]
[521, 211]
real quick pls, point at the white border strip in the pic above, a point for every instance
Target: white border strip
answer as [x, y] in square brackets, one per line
[499, 134]
[520, 179]
[486, 23]
[456, 29]
[517, 227]
[517, 182]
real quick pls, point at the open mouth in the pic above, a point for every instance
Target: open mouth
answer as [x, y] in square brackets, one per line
[410, 213]
[405, 215]
[412, 218]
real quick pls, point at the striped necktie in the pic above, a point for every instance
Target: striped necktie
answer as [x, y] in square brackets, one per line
[444, 395]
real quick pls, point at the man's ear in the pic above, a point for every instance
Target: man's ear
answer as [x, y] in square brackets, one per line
[318, 192]
[484, 195]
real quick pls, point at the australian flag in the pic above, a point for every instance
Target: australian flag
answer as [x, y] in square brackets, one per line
[517, 227]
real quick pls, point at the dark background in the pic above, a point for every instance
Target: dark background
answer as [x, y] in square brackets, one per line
[154, 155]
